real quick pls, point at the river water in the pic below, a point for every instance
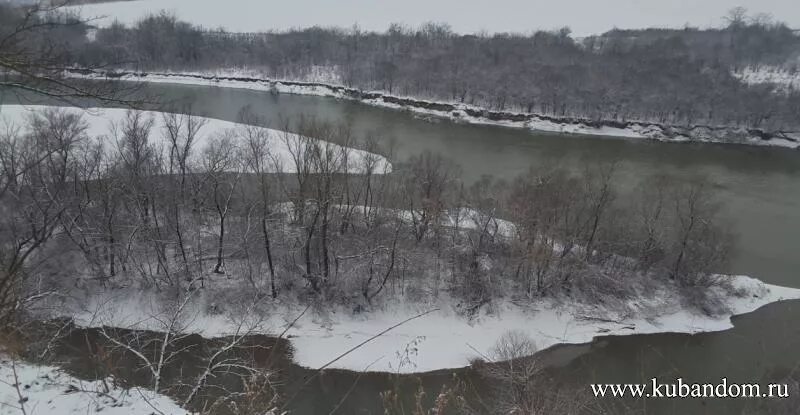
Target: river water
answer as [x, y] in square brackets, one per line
[759, 188]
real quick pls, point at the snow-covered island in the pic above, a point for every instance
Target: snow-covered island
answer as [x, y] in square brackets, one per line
[439, 330]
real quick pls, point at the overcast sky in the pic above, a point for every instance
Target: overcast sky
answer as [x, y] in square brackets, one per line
[465, 16]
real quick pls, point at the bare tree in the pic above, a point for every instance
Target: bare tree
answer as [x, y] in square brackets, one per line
[38, 42]
[520, 384]
[651, 212]
[181, 132]
[699, 246]
[599, 196]
[429, 177]
[223, 359]
[736, 17]
[222, 172]
[140, 160]
[156, 353]
[34, 190]
[259, 160]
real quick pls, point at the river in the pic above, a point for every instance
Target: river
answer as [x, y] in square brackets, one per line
[759, 188]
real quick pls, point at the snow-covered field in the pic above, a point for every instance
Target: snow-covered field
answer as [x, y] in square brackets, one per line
[440, 339]
[47, 390]
[784, 80]
[102, 121]
[461, 111]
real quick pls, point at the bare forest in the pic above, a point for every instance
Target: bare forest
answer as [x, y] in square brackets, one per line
[161, 213]
[672, 77]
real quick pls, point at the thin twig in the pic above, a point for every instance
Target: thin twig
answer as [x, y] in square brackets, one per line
[22, 399]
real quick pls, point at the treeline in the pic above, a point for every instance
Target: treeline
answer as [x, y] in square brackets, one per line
[156, 209]
[669, 77]
[679, 77]
[745, 41]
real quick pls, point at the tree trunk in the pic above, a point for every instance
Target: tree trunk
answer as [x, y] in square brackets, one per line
[268, 249]
[218, 267]
[307, 248]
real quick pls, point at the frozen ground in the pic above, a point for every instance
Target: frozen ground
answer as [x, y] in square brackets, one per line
[47, 390]
[437, 340]
[101, 123]
[460, 113]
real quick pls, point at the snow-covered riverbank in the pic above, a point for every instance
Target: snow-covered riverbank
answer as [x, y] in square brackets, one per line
[466, 113]
[47, 390]
[102, 123]
[441, 339]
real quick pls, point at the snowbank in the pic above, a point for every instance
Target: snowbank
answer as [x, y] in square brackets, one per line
[438, 340]
[102, 120]
[245, 79]
[47, 390]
